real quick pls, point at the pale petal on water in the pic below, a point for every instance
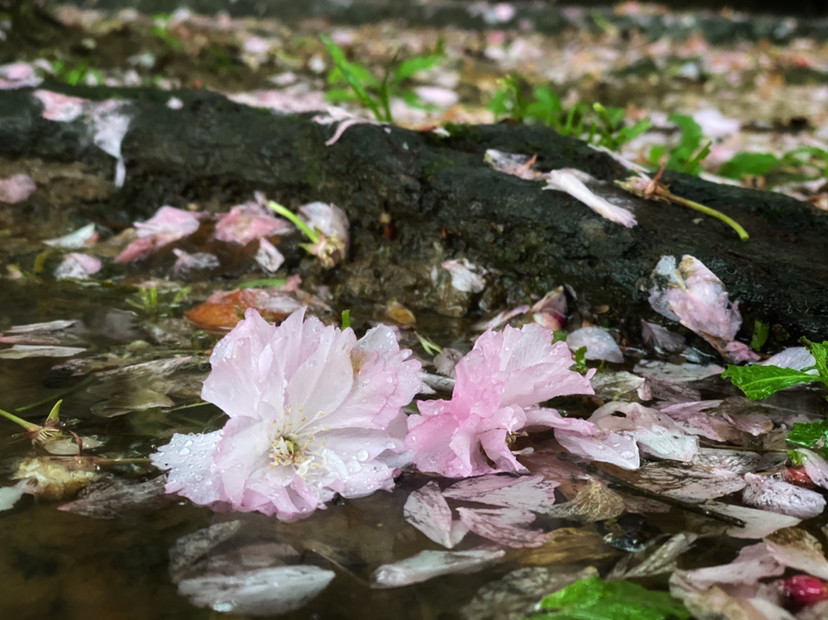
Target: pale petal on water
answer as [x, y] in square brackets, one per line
[782, 497]
[534, 493]
[795, 548]
[599, 343]
[427, 510]
[429, 564]
[504, 526]
[606, 447]
[258, 592]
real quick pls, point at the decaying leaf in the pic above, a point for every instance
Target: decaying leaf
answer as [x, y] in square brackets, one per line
[564, 546]
[190, 548]
[515, 596]
[658, 561]
[55, 478]
[115, 498]
[146, 385]
[594, 502]
[795, 548]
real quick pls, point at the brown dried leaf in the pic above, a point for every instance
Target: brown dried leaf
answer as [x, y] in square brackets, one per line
[594, 502]
[56, 478]
[566, 545]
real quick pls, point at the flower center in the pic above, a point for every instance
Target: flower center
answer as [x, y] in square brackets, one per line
[287, 450]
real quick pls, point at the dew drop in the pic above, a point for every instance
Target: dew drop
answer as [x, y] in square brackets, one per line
[354, 467]
[362, 455]
[184, 451]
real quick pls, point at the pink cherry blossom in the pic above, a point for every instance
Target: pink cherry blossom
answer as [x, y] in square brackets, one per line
[313, 412]
[499, 386]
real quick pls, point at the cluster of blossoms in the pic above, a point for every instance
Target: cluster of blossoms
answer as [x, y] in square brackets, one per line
[314, 412]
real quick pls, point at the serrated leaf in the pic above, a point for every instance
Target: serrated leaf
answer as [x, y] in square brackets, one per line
[820, 353]
[596, 599]
[807, 434]
[761, 381]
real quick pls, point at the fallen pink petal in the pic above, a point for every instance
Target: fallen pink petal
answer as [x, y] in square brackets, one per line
[169, 224]
[427, 510]
[75, 265]
[782, 497]
[599, 344]
[505, 526]
[16, 188]
[567, 181]
[692, 295]
[249, 221]
[430, 564]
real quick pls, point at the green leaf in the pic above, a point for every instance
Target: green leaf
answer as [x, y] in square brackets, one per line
[761, 381]
[820, 353]
[596, 599]
[741, 164]
[410, 66]
[355, 75]
[760, 334]
[808, 434]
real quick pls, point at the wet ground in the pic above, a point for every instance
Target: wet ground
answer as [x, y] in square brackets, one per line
[770, 95]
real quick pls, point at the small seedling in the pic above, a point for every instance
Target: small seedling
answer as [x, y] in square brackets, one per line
[148, 301]
[372, 93]
[597, 124]
[689, 153]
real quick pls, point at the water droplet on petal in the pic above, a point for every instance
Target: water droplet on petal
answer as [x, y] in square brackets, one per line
[362, 455]
[184, 451]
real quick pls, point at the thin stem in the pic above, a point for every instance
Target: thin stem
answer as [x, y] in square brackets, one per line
[294, 219]
[60, 395]
[29, 426]
[712, 213]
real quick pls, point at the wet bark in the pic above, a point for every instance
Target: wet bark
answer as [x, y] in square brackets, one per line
[444, 202]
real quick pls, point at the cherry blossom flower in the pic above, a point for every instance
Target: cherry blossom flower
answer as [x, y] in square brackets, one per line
[499, 386]
[313, 412]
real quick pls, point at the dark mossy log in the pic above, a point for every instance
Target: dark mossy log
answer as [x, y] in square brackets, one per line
[444, 202]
